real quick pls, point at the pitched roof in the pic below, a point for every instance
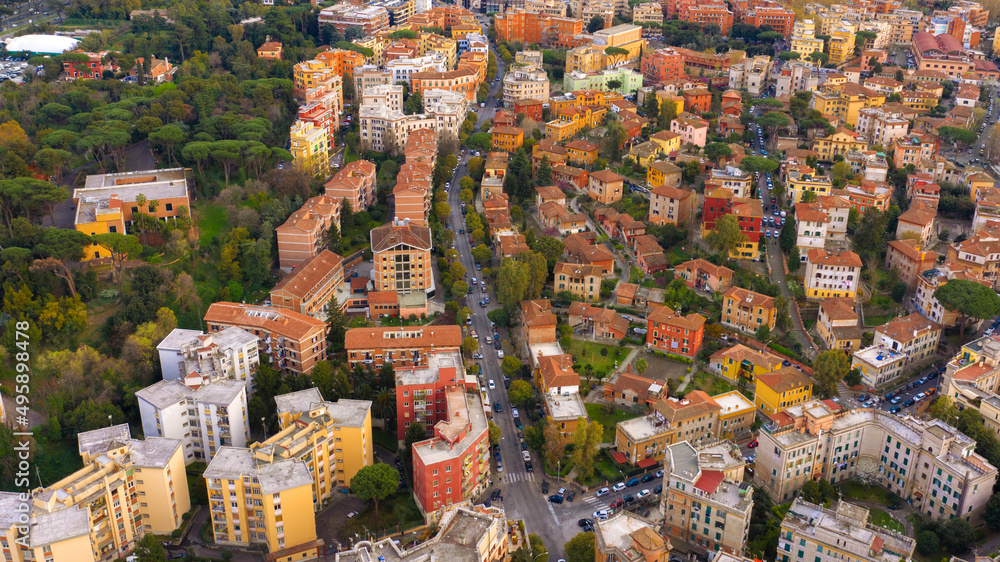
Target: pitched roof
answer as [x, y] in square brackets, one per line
[557, 371]
[607, 176]
[550, 192]
[907, 328]
[740, 353]
[839, 308]
[784, 379]
[666, 315]
[538, 313]
[282, 321]
[671, 192]
[693, 405]
[389, 235]
[304, 278]
[577, 269]
[626, 290]
[438, 337]
[845, 258]
[919, 215]
[741, 295]
[699, 264]
[911, 249]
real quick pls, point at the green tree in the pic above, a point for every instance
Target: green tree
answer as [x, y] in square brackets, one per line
[470, 345]
[494, 433]
[763, 333]
[337, 321]
[788, 235]
[760, 164]
[121, 247]
[580, 548]
[641, 365]
[414, 104]
[511, 284]
[587, 441]
[615, 55]
[970, 299]
[828, 370]
[716, 150]
[60, 246]
[928, 543]
[375, 482]
[596, 23]
[651, 106]
[543, 176]
[991, 512]
[690, 171]
[554, 447]
[511, 366]
[149, 549]
[520, 392]
[789, 55]
[869, 236]
[957, 535]
[726, 236]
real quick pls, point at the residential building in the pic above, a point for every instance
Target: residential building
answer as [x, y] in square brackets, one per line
[844, 528]
[811, 228]
[880, 126]
[750, 75]
[837, 324]
[909, 260]
[839, 143]
[627, 537]
[917, 223]
[822, 440]
[737, 415]
[741, 361]
[108, 203]
[294, 341]
[140, 485]
[662, 65]
[310, 147]
[356, 183]
[560, 386]
[648, 12]
[780, 389]
[597, 322]
[914, 336]
[581, 152]
[538, 322]
[95, 67]
[878, 365]
[605, 187]
[584, 281]
[669, 332]
[701, 274]
[507, 139]
[731, 178]
[801, 181]
[400, 346]
[309, 288]
[634, 390]
[302, 235]
[371, 19]
[693, 130]
[421, 388]
[797, 77]
[832, 275]
[662, 172]
[327, 68]
[204, 415]
[402, 256]
[270, 50]
[747, 311]
[674, 205]
[871, 194]
[525, 82]
[229, 354]
[705, 501]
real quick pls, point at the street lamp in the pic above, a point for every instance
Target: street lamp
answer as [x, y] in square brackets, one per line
[559, 470]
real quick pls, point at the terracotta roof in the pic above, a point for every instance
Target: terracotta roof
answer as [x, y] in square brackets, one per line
[671, 192]
[748, 207]
[389, 235]
[577, 269]
[739, 353]
[741, 295]
[627, 290]
[505, 130]
[636, 383]
[288, 323]
[437, 337]
[550, 192]
[839, 308]
[537, 313]
[311, 214]
[607, 176]
[908, 328]
[693, 405]
[572, 217]
[845, 258]
[919, 215]
[583, 145]
[551, 209]
[911, 249]
[557, 371]
[383, 297]
[666, 315]
[308, 274]
[710, 480]
[646, 245]
[784, 379]
[809, 212]
[972, 372]
[699, 264]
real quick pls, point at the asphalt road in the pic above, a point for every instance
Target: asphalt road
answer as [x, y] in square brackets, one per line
[901, 391]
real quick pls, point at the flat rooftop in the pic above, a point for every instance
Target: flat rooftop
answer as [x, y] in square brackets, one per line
[542, 350]
[566, 406]
[732, 402]
[643, 428]
[617, 531]
[126, 187]
[55, 526]
[167, 393]
[878, 356]
[437, 450]
[232, 463]
[431, 372]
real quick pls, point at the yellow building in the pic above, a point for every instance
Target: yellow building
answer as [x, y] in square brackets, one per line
[431, 43]
[742, 361]
[799, 183]
[736, 416]
[127, 488]
[571, 121]
[507, 139]
[377, 43]
[832, 275]
[846, 101]
[804, 39]
[781, 389]
[842, 43]
[747, 311]
[310, 148]
[668, 140]
[920, 101]
[663, 172]
[586, 58]
[840, 143]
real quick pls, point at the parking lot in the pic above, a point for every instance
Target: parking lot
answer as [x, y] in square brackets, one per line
[904, 397]
[12, 67]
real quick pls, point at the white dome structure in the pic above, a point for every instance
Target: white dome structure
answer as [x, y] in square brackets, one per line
[42, 44]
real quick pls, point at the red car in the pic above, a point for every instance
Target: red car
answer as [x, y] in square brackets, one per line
[752, 443]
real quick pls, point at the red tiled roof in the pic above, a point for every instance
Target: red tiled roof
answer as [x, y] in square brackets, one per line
[710, 480]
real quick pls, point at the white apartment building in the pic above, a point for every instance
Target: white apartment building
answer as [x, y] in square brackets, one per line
[402, 68]
[914, 336]
[751, 74]
[832, 275]
[811, 532]
[878, 365]
[796, 77]
[525, 82]
[928, 463]
[449, 108]
[368, 76]
[389, 96]
[732, 178]
[384, 127]
[870, 164]
[810, 228]
[705, 502]
[229, 354]
[881, 127]
[204, 415]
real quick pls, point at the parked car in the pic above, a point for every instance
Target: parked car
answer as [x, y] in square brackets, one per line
[658, 489]
[633, 482]
[648, 478]
[556, 498]
[618, 487]
[545, 487]
[642, 494]
[603, 492]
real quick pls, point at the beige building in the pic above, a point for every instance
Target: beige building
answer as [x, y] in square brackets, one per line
[355, 182]
[527, 82]
[303, 234]
[914, 336]
[705, 501]
[126, 488]
[747, 311]
[648, 12]
[838, 533]
[584, 281]
[402, 256]
[294, 341]
[837, 324]
[928, 463]
[627, 537]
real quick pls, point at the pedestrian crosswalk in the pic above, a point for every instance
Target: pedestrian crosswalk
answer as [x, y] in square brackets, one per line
[595, 502]
[519, 477]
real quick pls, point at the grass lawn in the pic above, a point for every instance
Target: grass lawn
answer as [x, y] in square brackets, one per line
[211, 220]
[675, 255]
[710, 383]
[855, 491]
[872, 321]
[385, 440]
[593, 357]
[398, 510]
[598, 413]
[883, 519]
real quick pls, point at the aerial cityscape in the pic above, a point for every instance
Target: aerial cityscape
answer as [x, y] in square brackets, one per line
[525, 280]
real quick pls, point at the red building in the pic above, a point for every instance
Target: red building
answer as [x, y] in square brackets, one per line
[454, 464]
[668, 331]
[778, 17]
[420, 390]
[93, 68]
[697, 100]
[320, 117]
[718, 202]
[530, 108]
[661, 65]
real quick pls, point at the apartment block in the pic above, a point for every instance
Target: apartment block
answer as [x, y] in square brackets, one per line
[309, 288]
[538, 321]
[303, 234]
[693, 130]
[371, 19]
[126, 488]
[355, 182]
[584, 281]
[402, 256]
[229, 354]
[525, 82]
[832, 275]
[109, 203]
[747, 311]
[901, 454]
[841, 531]
[702, 274]
[204, 415]
[662, 65]
[731, 178]
[400, 346]
[839, 143]
[606, 187]
[706, 503]
[781, 389]
[837, 324]
[751, 75]
[915, 336]
[310, 147]
[560, 386]
[627, 537]
[669, 332]
[778, 17]
[797, 77]
[294, 341]
[741, 361]
[878, 365]
[421, 389]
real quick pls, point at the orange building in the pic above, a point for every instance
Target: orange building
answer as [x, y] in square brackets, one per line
[507, 139]
[354, 182]
[270, 50]
[310, 286]
[301, 236]
[661, 65]
[672, 333]
[335, 62]
[401, 346]
[606, 187]
[697, 100]
[464, 81]
[538, 322]
[778, 17]
[534, 27]
[294, 341]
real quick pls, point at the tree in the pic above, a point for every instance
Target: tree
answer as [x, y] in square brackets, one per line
[726, 236]
[853, 378]
[641, 365]
[580, 548]
[596, 23]
[375, 482]
[553, 445]
[414, 104]
[828, 370]
[690, 171]
[957, 535]
[716, 150]
[927, 543]
[970, 299]
[789, 55]
[616, 54]
[337, 321]
[61, 245]
[788, 235]
[614, 85]
[520, 392]
[869, 236]
[543, 176]
[511, 284]
[494, 433]
[772, 121]
[122, 247]
[534, 551]
[763, 333]
[511, 366]
[470, 345]
[587, 441]
[991, 512]
[651, 106]
[149, 549]
[760, 164]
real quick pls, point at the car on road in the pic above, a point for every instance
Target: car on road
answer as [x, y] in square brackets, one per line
[909, 403]
[753, 443]
[352, 515]
[545, 487]
[603, 492]
[570, 496]
[632, 482]
[514, 412]
[642, 494]
[528, 467]
[629, 499]
[659, 474]
[896, 399]
[602, 514]
[492, 385]
[500, 354]
[894, 409]
[477, 355]
[920, 396]
[496, 407]
[618, 487]
[526, 455]
[556, 498]
[584, 522]
[658, 489]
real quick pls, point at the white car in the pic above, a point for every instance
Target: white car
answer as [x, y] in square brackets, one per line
[352, 515]
[603, 492]
[515, 413]
[602, 515]
[642, 494]
[526, 455]
[492, 385]
[618, 487]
